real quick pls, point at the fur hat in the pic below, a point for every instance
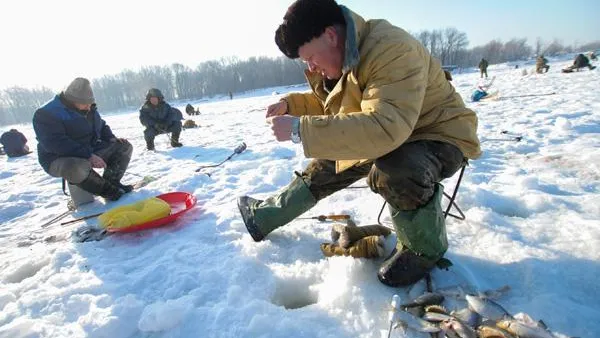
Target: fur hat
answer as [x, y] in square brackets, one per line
[304, 21]
[153, 92]
[79, 91]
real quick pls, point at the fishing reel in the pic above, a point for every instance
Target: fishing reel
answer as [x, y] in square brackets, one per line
[239, 149]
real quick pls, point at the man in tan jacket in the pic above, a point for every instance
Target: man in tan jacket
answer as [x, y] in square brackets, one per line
[381, 108]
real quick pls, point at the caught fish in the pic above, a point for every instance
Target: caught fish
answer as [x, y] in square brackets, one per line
[458, 328]
[436, 308]
[524, 330]
[468, 316]
[428, 298]
[403, 318]
[436, 317]
[493, 332]
[487, 308]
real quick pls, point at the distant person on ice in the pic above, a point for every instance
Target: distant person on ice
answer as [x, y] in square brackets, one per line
[381, 108]
[14, 143]
[580, 62]
[541, 64]
[483, 66]
[160, 118]
[73, 140]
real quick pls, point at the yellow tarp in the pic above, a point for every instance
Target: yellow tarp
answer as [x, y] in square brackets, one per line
[136, 213]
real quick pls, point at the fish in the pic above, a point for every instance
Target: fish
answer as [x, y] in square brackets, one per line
[459, 328]
[468, 316]
[487, 308]
[428, 298]
[493, 332]
[403, 318]
[436, 317]
[523, 330]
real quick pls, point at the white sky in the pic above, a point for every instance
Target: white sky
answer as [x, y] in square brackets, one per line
[51, 42]
[56, 41]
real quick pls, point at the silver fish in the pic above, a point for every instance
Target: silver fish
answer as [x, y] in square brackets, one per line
[428, 298]
[486, 307]
[524, 330]
[404, 318]
[468, 316]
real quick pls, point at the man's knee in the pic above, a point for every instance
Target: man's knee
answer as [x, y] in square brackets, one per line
[150, 132]
[175, 127]
[73, 169]
[406, 177]
[126, 148]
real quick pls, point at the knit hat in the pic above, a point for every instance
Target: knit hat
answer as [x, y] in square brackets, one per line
[304, 21]
[79, 91]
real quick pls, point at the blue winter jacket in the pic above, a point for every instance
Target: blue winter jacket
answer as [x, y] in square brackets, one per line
[64, 131]
[162, 114]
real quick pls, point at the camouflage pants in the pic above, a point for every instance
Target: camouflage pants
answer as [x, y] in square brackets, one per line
[405, 177]
[483, 71]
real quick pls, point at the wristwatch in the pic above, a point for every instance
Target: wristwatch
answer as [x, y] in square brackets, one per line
[296, 131]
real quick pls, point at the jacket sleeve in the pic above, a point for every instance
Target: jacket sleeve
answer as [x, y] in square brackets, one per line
[106, 133]
[53, 138]
[146, 119]
[394, 82]
[175, 115]
[300, 104]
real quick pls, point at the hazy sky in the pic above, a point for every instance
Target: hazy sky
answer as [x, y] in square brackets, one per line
[50, 42]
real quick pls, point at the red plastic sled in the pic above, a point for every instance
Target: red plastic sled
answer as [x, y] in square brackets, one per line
[180, 202]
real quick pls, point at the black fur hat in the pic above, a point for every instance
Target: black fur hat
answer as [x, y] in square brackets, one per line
[304, 21]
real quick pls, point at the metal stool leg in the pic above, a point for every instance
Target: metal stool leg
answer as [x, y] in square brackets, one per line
[451, 203]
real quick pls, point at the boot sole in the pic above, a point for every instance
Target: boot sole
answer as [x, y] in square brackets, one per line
[246, 213]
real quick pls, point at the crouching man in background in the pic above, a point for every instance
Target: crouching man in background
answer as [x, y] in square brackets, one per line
[160, 118]
[73, 140]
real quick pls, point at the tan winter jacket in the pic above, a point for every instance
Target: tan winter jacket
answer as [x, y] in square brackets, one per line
[391, 92]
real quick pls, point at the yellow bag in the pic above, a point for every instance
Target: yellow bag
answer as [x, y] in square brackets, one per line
[137, 213]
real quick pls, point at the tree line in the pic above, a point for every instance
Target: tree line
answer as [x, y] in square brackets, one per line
[126, 90]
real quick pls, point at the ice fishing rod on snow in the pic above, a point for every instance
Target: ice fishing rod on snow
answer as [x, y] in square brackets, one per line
[323, 218]
[527, 95]
[81, 218]
[238, 150]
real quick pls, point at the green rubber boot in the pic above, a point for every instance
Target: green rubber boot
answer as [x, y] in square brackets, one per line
[421, 242]
[262, 217]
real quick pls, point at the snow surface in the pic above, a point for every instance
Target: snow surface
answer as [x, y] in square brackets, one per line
[533, 223]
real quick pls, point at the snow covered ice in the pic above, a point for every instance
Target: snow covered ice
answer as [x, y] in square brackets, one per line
[533, 222]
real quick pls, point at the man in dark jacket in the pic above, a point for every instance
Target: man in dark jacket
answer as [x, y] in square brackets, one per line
[159, 118]
[73, 139]
[483, 65]
[14, 143]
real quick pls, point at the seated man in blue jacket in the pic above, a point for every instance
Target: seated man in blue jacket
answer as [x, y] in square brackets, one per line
[159, 118]
[73, 139]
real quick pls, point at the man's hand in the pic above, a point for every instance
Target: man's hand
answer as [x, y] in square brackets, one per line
[118, 139]
[282, 127]
[277, 109]
[97, 161]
